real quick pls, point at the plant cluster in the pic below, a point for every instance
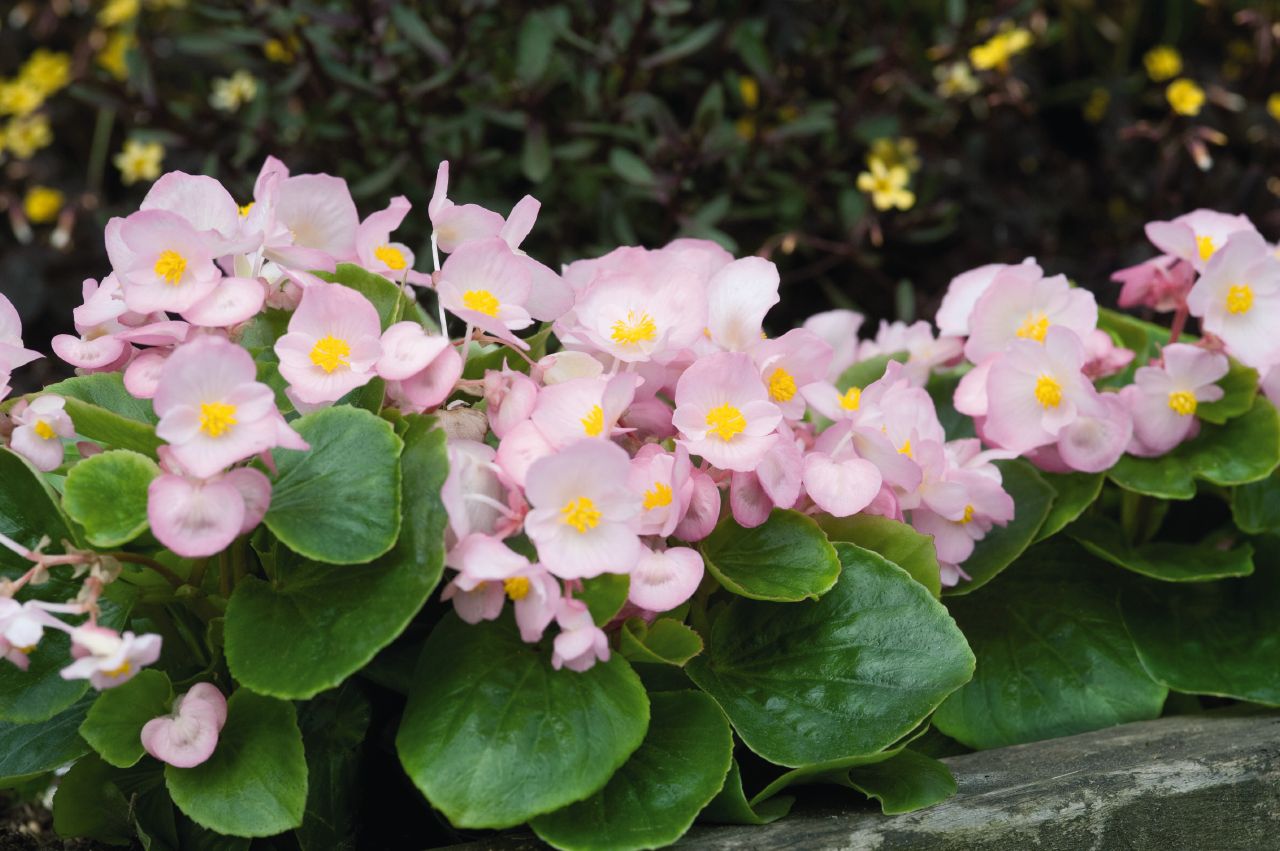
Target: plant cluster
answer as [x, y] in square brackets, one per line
[677, 559]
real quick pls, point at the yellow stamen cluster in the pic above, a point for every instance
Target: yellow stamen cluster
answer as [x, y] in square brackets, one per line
[634, 329]
[517, 587]
[1035, 327]
[245, 209]
[217, 418]
[726, 422]
[851, 399]
[1182, 402]
[125, 667]
[782, 385]
[44, 430]
[1205, 247]
[581, 514]
[968, 515]
[330, 353]
[391, 257]
[1240, 298]
[593, 422]
[170, 267]
[1048, 392]
[906, 449]
[658, 497]
[481, 301]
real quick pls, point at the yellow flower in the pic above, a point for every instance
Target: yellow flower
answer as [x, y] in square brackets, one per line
[19, 97]
[956, 80]
[229, 93]
[1273, 105]
[749, 90]
[46, 71]
[1000, 48]
[1185, 96]
[900, 151]
[26, 135]
[116, 12]
[1163, 63]
[42, 204]
[112, 55]
[887, 186]
[1095, 108]
[280, 51]
[139, 161]
[745, 127]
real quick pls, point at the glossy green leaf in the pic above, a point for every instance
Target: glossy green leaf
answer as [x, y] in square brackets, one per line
[107, 495]
[255, 784]
[338, 502]
[27, 750]
[1053, 655]
[631, 168]
[1239, 388]
[351, 611]
[785, 559]
[384, 295]
[1074, 493]
[1032, 500]
[88, 804]
[833, 771]
[114, 724]
[334, 727]
[664, 642]
[846, 675]
[28, 512]
[605, 595]
[654, 797]
[1144, 338]
[1165, 560]
[493, 736]
[1246, 449]
[867, 371]
[1219, 638]
[1255, 507]
[103, 410]
[907, 782]
[896, 541]
[731, 805]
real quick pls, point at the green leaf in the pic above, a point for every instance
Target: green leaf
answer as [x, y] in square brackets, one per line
[907, 782]
[28, 512]
[1074, 492]
[350, 612]
[1164, 560]
[1218, 638]
[334, 727]
[686, 45]
[103, 410]
[605, 595]
[731, 805]
[834, 771]
[114, 724]
[1054, 658]
[107, 495]
[1144, 338]
[1032, 501]
[1246, 449]
[1239, 386]
[386, 297]
[1255, 507]
[651, 801]
[843, 676]
[631, 168]
[784, 559]
[493, 736]
[27, 750]
[664, 642]
[255, 784]
[535, 157]
[534, 45]
[338, 502]
[896, 541]
[88, 804]
[867, 371]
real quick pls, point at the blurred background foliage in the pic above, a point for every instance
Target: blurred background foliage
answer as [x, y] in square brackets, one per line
[873, 149]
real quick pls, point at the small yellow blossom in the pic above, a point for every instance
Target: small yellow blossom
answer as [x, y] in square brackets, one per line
[1095, 108]
[901, 151]
[1273, 105]
[1163, 63]
[956, 80]
[139, 161]
[116, 12]
[1185, 96]
[745, 127]
[112, 55]
[788, 113]
[26, 135]
[887, 186]
[998, 50]
[46, 71]
[41, 204]
[283, 52]
[230, 93]
[749, 90]
[19, 97]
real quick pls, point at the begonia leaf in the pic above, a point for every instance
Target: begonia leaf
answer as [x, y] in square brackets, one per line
[107, 495]
[785, 559]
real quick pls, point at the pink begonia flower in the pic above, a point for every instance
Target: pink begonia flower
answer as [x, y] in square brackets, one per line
[1097, 437]
[1103, 357]
[839, 330]
[840, 486]
[1014, 308]
[207, 206]
[787, 363]
[1237, 299]
[376, 251]
[484, 284]
[723, 411]
[738, 297]
[967, 288]
[566, 365]
[1036, 389]
[188, 735]
[580, 643]
[319, 216]
[748, 502]
[474, 494]
[583, 408]
[332, 346]
[583, 516]
[632, 319]
[549, 296]
[664, 481]
[483, 564]
[663, 579]
[523, 445]
[196, 518]
[455, 224]
[213, 411]
[1196, 236]
[22, 626]
[1269, 384]
[704, 509]
[12, 353]
[142, 375]
[1164, 399]
[1161, 283]
[937, 491]
[422, 368]
[509, 397]
[161, 261]
[107, 658]
[781, 470]
[233, 300]
[41, 427]
[925, 351]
